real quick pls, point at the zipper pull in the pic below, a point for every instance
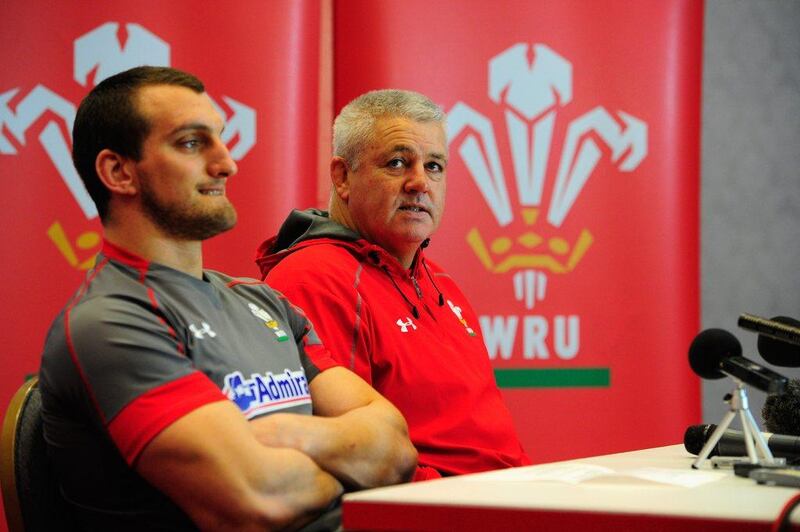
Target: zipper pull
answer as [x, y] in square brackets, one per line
[416, 287]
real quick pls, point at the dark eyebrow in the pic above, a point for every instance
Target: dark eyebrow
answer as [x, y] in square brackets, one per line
[401, 148]
[406, 149]
[193, 126]
[439, 157]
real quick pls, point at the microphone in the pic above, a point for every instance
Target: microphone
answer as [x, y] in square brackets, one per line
[778, 328]
[780, 352]
[715, 353]
[732, 442]
[781, 412]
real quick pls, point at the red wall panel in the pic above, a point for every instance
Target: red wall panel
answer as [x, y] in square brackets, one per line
[572, 205]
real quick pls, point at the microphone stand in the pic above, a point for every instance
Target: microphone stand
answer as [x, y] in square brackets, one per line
[753, 439]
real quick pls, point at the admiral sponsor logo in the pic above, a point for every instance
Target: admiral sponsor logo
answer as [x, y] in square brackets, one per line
[532, 93]
[266, 393]
[100, 52]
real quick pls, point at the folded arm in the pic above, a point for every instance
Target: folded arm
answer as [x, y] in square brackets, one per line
[210, 465]
[356, 435]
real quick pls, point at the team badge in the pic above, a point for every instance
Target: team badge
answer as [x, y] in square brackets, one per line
[457, 311]
[269, 321]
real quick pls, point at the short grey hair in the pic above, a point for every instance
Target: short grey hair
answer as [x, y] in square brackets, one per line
[354, 126]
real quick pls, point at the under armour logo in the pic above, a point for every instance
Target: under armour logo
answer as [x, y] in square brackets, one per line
[404, 325]
[201, 333]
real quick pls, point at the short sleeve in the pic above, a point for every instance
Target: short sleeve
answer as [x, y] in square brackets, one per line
[134, 369]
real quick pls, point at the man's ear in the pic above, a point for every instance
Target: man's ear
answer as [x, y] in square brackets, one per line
[340, 174]
[115, 171]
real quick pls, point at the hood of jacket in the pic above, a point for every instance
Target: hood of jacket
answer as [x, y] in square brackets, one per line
[312, 227]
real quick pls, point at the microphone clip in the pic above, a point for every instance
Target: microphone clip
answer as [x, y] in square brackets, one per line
[757, 450]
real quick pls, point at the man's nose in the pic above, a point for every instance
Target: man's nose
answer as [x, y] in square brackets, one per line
[220, 163]
[416, 179]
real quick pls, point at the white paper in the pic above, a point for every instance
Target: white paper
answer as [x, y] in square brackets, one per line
[688, 478]
[575, 473]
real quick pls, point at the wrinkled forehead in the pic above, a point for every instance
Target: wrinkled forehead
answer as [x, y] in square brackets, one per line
[388, 131]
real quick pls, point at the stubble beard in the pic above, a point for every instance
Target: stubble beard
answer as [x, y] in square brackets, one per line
[187, 222]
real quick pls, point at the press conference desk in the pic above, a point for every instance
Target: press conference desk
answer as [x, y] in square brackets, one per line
[520, 499]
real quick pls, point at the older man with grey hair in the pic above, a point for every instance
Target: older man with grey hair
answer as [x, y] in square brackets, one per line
[384, 309]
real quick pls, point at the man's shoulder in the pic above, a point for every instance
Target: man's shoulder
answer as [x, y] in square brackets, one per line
[106, 290]
[447, 283]
[439, 272]
[247, 288]
[229, 281]
[107, 302]
[320, 259]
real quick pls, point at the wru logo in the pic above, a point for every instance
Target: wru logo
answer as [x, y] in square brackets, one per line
[99, 52]
[531, 94]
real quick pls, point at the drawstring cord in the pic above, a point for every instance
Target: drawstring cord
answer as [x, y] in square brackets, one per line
[425, 244]
[427, 271]
[414, 311]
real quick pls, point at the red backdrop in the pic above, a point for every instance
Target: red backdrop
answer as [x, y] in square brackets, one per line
[260, 62]
[573, 173]
[572, 204]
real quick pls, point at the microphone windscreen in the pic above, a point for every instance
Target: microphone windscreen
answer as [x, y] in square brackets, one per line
[781, 412]
[709, 349]
[696, 437]
[779, 352]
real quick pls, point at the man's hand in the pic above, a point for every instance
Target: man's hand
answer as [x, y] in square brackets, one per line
[356, 434]
[209, 464]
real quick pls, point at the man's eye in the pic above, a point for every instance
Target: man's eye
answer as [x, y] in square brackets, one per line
[396, 163]
[435, 167]
[190, 144]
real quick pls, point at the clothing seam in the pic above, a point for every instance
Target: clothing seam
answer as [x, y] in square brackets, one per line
[70, 344]
[357, 321]
[151, 294]
[357, 311]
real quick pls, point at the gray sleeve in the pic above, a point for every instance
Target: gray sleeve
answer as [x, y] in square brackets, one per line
[122, 348]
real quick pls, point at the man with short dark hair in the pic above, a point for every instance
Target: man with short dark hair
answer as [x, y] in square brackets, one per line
[176, 397]
[384, 309]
